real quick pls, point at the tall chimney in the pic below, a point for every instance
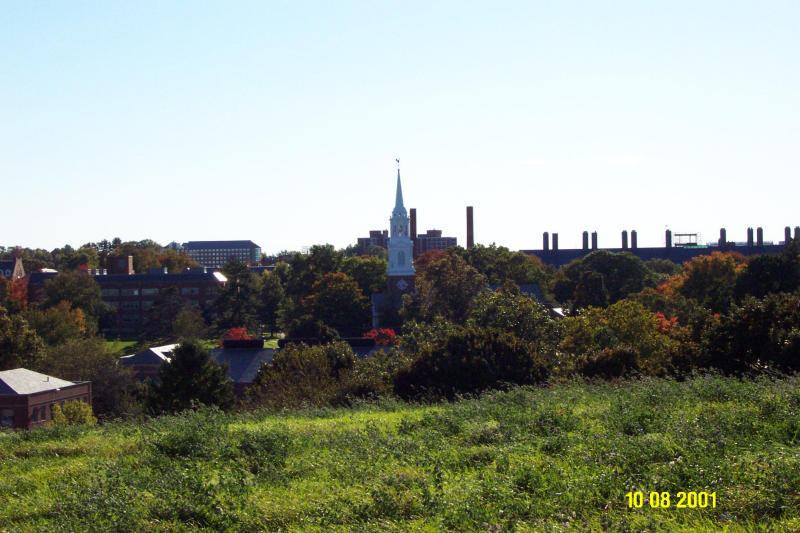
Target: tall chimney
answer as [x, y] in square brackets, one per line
[624, 239]
[545, 241]
[787, 234]
[594, 240]
[470, 228]
[415, 249]
[797, 233]
[760, 236]
[555, 242]
[585, 240]
[723, 238]
[634, 244]
[750, 237]
[669, 238]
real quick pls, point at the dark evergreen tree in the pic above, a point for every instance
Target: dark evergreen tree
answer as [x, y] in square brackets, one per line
[191, 376]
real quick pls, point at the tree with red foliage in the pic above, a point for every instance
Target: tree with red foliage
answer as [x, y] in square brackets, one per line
[382, 336]
[236, 334]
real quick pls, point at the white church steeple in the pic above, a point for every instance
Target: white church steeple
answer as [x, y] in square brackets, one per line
[401, 248]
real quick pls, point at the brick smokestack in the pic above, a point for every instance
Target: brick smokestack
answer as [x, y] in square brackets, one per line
[415, 250]
[470, 228]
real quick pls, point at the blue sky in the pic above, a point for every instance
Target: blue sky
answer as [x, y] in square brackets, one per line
[280, 121]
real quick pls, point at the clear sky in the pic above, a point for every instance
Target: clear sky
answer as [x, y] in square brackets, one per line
[279, 122]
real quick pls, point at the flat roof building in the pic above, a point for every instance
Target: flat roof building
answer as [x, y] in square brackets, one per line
[215, 254]
[27, 398]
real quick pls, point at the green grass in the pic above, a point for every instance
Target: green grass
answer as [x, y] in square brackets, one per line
[544, 459]
[119, 346]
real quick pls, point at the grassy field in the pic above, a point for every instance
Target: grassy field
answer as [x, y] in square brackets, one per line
[546, 459]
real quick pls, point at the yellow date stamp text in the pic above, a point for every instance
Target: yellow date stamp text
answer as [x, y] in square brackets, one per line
[665, 500]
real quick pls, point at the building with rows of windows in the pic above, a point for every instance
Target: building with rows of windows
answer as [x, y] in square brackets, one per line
[133, 295]
[214, 254]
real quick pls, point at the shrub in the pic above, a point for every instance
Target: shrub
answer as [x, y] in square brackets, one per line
[73, 413]
[302, 375]
[470, 360]
[615, 362]
[759, 332]
[626, 324]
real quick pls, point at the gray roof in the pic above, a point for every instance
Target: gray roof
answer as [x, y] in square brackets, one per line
[154, 355]
[23, 381]
[243, 363]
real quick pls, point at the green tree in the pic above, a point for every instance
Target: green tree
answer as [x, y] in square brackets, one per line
[521, 316]
[625, 324]
[89, 359]
[80, 290]
[499, 264]
[765, 274]
[337, 301]
[162, 315]
[174, 262]
[271, 297]
[237, 302]
[368, 272]
[189, 323]
[709, 279]
[591, 290]
[445, 287]
[58, 324]
[305, 269]
[189, 377]
[757, 334]
[622, 274]
[20, 346]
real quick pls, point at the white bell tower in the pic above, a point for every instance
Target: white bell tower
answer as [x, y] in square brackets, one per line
[401, 248]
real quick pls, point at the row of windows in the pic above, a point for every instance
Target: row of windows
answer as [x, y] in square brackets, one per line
[218, 250]
[39, 414]
[152, 291]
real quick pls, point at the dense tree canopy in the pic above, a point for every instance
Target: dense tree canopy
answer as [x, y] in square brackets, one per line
[20, 346]
[445, 287]
[620, 274]
[337, 301]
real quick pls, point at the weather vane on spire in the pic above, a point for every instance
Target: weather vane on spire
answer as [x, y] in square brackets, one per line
[398, 162]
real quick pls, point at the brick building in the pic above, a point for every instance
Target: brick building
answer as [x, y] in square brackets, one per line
[133, 295]
[27, 398]
[376, 238]
[433, 240]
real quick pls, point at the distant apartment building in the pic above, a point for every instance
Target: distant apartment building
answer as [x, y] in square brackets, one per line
[430, 240]
[376, 238]
[214, 254]
[433, 240]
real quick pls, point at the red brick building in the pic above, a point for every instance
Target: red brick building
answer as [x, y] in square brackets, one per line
[27, 398]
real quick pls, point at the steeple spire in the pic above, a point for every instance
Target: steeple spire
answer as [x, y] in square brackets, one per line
[398, 201]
